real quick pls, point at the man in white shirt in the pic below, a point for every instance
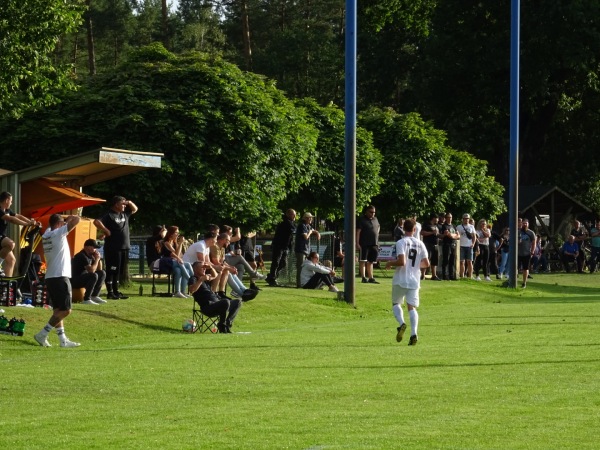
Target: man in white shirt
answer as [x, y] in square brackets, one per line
[58, 273]
[468, 236]
[200, 251]
[411, 258]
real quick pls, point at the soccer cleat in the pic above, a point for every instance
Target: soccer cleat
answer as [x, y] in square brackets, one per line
[98, 300]
[400, 334]
[69, 344]
[413, 340]
[373, 281]
[42, 340]
[89, 302]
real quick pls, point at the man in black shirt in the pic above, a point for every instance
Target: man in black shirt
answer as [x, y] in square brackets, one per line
[210, 303]
[449, 238]
[430, 233]
[281, 245]
[115, 226]
[85, 272]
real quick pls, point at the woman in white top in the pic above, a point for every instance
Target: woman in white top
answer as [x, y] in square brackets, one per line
[313, 275]
[482, 260]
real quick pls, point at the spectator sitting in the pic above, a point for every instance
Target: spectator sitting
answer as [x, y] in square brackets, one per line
[209, 302]
[569, 252]
[229, 273]
[539, 258]
[86, 272]
[233, 256]
[200, 251]
[171, 252]
[153, 244]
[314, 275]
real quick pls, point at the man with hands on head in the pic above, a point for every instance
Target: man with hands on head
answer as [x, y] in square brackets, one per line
[115, 226]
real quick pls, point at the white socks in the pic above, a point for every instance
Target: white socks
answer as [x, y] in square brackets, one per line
[414, 321]
[61, 335]
[398, 313]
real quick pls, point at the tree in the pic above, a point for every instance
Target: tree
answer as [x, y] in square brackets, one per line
[324, 195]
[234, 145]
[422, 174]
[29, 33]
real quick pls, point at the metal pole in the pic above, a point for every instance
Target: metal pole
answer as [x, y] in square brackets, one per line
[513, 201]
[350, 161]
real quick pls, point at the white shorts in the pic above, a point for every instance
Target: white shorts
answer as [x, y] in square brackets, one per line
[399, 293]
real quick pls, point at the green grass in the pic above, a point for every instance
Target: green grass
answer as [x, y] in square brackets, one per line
[494, 368]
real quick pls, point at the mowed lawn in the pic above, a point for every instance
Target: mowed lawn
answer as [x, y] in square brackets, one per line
[494, 368]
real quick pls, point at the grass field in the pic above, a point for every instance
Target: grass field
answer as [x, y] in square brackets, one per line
[494, 368]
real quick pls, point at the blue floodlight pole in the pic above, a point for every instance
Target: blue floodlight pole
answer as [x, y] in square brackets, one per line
[513, 201]
[350, 161]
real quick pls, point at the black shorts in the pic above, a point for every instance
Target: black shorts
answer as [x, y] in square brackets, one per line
[369, 253]
[523, 261]
[433, 253]
[59, 291]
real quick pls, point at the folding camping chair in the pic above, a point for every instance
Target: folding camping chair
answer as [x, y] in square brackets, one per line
[204, 323]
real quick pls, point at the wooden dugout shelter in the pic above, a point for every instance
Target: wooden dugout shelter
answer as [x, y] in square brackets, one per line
[56, 187]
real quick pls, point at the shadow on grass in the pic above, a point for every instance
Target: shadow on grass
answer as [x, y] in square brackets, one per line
[154, 327]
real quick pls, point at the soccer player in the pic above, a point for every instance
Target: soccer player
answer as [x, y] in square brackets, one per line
[411, 258]
[58, 272]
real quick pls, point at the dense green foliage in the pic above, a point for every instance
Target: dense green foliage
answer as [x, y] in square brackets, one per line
[29, 32]
[423, 175]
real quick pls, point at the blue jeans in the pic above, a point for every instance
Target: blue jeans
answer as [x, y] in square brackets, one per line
[182, 273]
[503, 261]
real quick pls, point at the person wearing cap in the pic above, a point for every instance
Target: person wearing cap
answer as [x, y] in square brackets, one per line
[304, 231]
[449, 238]
[86, 272]
[468, 237]
[58, 271]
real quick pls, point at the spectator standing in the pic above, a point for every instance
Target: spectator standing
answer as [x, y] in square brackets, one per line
[467, 242]
[430, 232]
[483, 241]
[580, 235]
[411, 258]
[526, 248]
[115, 226]
[367, 243]
[504, 249]
[87, 272]
[398, 232]
[450, 236]
[304, 231]
[595, 234]
[7, 245]
[281, 246]
[58, 272]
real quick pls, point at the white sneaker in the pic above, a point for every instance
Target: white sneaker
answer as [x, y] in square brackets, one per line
[89, 302]
[180, 295]
[69, 344]
[477, 279]
[333, 289]
[487, 279]
[260, 276]
[98, 300]
[42, 340]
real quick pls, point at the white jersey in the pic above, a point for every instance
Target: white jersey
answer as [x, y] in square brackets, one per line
[57, 253]
[191, 254]
[409, 275]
